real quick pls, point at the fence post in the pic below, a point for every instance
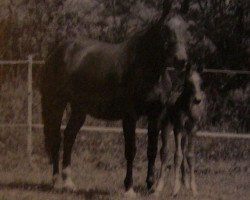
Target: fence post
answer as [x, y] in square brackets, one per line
[29, 119]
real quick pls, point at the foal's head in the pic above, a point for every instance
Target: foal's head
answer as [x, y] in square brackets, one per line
[193, 95]
[193, 86]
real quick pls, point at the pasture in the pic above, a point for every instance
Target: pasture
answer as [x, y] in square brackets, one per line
[98, 165]
[214, 34]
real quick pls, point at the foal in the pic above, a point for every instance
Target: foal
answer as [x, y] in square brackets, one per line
[183, 117]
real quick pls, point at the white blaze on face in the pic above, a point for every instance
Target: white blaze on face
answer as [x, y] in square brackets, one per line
[197, 110]
[179, 27]
[195, 79]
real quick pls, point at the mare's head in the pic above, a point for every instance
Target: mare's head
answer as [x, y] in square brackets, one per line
[164, 42]
[193, 86]
[181, 35]
[174, 36]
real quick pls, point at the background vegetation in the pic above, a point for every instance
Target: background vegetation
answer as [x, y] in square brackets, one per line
[220, 30]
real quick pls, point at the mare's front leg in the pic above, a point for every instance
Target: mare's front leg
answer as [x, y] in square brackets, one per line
[178, 157]
[129, 125]
[153, 132]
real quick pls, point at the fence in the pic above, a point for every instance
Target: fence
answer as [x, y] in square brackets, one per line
[30, 63]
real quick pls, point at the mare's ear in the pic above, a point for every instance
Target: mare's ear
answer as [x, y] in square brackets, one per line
[166, 7]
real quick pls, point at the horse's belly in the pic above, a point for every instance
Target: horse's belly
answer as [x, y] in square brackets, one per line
[102, 104]
[110, 110]
[106, 115]
[101, 96]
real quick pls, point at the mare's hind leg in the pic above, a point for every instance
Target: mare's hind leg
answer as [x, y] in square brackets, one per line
[153, 132]
[165, 134]
[52, 116]
[191, 161]
[129, 125]
[76, 120]
[178, 157]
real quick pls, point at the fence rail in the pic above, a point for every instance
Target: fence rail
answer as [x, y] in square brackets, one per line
[207, 70]
[104, 129]
[21, 62]
[30, 62]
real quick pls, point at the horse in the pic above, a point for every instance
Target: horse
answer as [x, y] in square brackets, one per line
[112, 82]
[184, 117]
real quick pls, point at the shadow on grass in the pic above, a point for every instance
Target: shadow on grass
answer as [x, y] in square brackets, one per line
[88, 194]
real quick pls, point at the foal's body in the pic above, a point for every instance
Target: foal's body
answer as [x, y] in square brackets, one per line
[184, 117]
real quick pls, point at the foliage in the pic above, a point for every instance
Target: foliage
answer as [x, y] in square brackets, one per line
[28, 26]
[226, 24]
[31, 25]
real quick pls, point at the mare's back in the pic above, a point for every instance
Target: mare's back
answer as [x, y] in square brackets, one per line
[91, 56]
[89, 60]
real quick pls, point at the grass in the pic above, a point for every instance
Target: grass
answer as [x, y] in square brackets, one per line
[222, 168]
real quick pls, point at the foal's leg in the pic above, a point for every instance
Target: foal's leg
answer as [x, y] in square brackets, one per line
[76, 120]
[183, 164]
[165, 133]
[52, 111]
[178, 157]
[129, 125]
[191, 161]
[153, 132]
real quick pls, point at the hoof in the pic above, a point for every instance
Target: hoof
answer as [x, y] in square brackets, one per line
[130, 194]
[157, 194]
[150, 184]
[152, 190]
[195, 193]
[177, 188]
[159, 186]
[68, 185]
[194, 189]
[57, 183]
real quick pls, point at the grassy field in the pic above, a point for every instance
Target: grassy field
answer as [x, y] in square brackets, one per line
[222, 169]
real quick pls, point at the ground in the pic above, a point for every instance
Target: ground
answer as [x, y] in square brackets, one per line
[222, 169]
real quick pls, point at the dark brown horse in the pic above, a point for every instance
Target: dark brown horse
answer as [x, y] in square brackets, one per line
[184, 118]
[112, 82]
